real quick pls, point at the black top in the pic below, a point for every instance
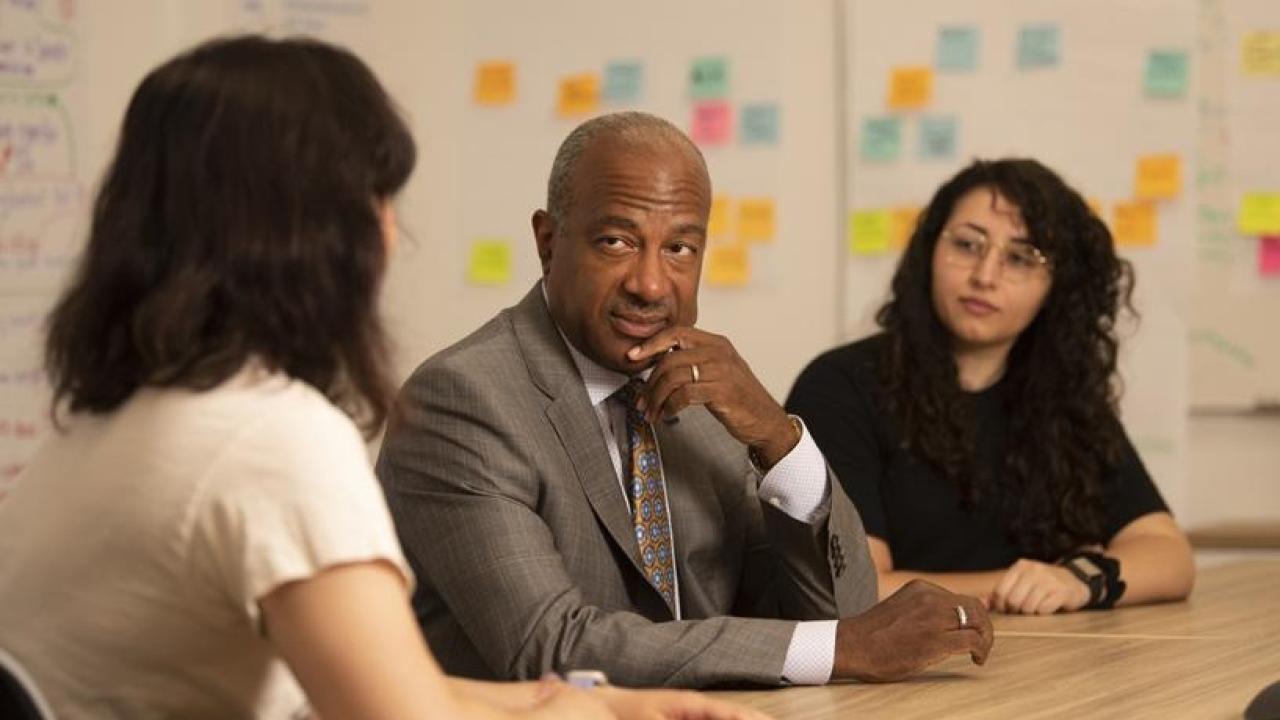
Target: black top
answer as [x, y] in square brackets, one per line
[903, 500]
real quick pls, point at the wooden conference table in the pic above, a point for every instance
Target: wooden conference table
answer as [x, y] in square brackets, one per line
[1203, 658]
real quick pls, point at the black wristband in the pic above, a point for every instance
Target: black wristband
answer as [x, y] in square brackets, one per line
[1104, 594]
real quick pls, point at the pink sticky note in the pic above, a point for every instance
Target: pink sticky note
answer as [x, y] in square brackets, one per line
[1269, 256]
[711, 123]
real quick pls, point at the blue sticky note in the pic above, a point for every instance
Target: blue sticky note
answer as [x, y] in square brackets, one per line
[937, 137]
[957, 48]
[1039, 46]
[759, 124]
[709, 78]
[1166, 74]
[623, 81]
[881, 139]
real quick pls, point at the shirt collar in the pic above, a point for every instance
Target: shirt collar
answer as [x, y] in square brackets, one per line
[601, 382]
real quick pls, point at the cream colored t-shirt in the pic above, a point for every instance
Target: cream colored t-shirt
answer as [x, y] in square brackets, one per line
[134, 548]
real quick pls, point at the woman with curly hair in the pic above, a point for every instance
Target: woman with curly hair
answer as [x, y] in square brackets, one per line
[978, 434]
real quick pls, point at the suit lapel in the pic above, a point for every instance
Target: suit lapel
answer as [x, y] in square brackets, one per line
[574, 420]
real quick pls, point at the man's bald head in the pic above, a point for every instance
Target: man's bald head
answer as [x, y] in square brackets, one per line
[631, 130]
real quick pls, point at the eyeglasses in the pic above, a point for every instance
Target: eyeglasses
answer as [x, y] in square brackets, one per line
[966, 248]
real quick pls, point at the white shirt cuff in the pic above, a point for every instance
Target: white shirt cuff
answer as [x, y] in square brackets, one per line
[798, 484]
[811, 654]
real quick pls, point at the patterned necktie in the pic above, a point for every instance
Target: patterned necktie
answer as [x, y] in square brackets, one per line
[648, 495]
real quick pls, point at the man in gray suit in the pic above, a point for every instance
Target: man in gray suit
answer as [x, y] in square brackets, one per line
[590, 481]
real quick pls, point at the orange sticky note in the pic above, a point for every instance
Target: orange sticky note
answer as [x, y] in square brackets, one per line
[579, 95]
[495, 83]
[869, 232]
[718, 222]
[902, 222]
[910, 88]
[728, 265]
[755, 220]
[1158, 177]
[1134, 223]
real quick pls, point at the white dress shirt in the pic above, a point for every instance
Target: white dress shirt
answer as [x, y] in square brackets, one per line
[797, 486]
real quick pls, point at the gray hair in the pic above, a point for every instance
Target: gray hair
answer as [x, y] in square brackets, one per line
[632, 129]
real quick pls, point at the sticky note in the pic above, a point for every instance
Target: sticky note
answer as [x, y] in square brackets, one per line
[579, 95]
[728, 265]
[1134, 223]
[755, 220]
[1259, 214]
[910, 88]
[709, 78]
[881, 139]
[1038, 46]
[718, 222]
[1166, 74]
[758, 124]
[937, 137]
[712, 122]
[1269, 256]
[495, 83]
[902, 222]
[1158, 177]
[490, 262]
[623, 81]
[870, 232]
[957, 48]
[1260, 53]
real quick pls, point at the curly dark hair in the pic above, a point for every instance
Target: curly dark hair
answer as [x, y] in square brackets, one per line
[238, 219]
[1062, 391]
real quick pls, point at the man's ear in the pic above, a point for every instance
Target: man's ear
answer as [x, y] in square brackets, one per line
[544, 234]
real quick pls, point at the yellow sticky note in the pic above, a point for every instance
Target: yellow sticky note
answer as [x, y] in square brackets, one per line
[755, 220]
[718, 222]
[495, 83]
[910, 88]
[869, 232]
[1260, 53]
[1134, 223]
[728, 265]
[490, 262]
[1158, 177]
[579, 95]
[1259, 214]
[902, 222]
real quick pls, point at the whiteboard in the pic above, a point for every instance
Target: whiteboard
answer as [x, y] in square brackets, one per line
[1235, 319]
[1086, 116]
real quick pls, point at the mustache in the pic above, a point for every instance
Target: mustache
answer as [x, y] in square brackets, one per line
[647, 311]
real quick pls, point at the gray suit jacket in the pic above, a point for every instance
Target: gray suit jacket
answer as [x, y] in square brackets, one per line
[511, 514]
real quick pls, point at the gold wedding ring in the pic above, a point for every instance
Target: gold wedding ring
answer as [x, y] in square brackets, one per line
[964, 617]
[694, 369]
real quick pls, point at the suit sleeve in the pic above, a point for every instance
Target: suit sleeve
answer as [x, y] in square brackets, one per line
[467, 499]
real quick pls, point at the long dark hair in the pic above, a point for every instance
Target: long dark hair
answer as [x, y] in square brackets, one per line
[239, 219]
[1060, 382]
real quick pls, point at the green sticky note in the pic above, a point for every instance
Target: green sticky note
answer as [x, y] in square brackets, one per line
[758, 124]
[490, 262]
[957, 48]
[870, 231]
[881, 139]
[1166, 74]
[937, 137]
[1038, 46]
[709, 78]
[623, 81]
